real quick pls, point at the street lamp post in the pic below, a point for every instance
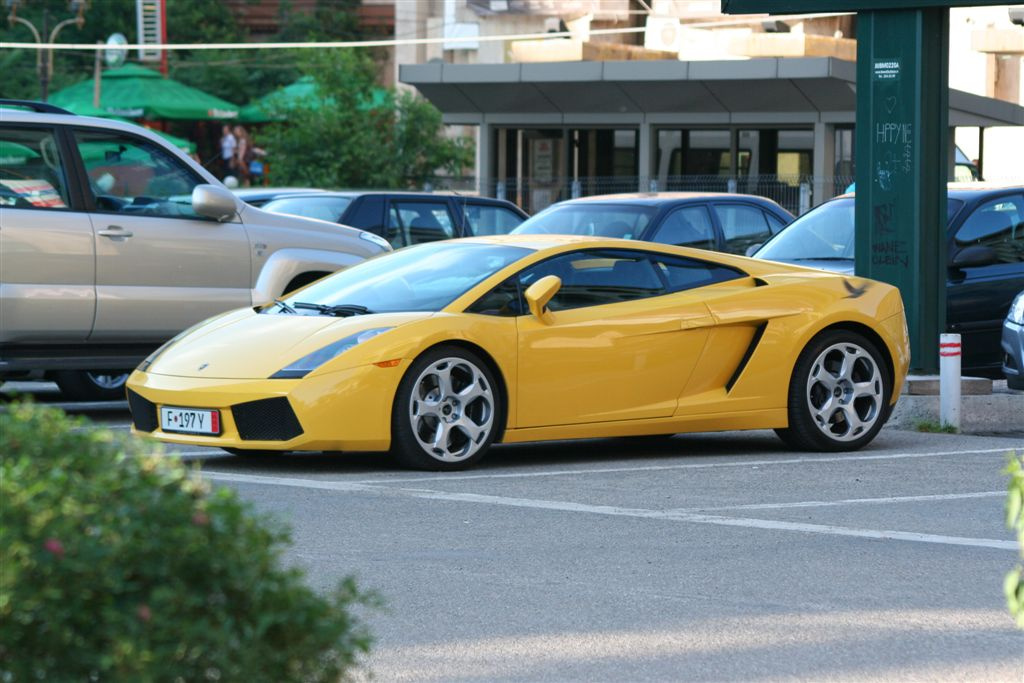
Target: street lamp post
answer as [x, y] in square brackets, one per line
[44, 63]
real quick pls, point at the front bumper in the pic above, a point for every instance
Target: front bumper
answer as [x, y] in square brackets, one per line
[1013, 354]
[348, 410]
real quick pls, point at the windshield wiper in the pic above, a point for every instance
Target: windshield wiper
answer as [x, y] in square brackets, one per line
[339, 310]
[285, 307]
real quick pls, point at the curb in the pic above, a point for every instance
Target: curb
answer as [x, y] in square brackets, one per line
[1000, 411]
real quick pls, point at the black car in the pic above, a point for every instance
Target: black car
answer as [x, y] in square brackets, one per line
[986, 261]
[405, 218]
[707, 220]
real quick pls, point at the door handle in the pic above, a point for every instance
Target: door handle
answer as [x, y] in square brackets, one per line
[115, 232]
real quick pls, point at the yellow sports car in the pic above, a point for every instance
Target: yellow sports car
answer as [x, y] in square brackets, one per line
[435, 352]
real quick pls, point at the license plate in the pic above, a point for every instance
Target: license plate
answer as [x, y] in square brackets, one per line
[190, 420]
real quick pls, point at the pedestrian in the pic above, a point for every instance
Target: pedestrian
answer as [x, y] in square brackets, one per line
[228, 145]
[243, 154]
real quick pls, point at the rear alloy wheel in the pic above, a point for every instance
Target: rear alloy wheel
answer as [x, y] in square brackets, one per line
[447, 411]
[92, 385]
[838, 395]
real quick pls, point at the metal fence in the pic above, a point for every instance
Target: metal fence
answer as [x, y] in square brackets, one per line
[796, 193]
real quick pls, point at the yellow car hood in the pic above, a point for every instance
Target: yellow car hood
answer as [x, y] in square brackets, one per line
[255, 346]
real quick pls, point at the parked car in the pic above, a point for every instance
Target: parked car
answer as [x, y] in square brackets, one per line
[985, 242]
[439, 350]
[258, 196]
[1013, 344]
[706, 220]
[405, 218]
[113, 241]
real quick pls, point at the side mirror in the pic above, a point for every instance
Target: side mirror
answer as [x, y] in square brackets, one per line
[752, 248]
[218, 203]
[539, 294]
[975, 256]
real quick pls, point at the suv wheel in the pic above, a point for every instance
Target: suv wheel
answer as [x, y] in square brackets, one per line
[92, 385]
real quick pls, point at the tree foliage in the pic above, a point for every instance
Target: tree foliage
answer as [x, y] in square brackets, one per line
[352, 134]
[1013, 586]
[121, 565]
[235, 75]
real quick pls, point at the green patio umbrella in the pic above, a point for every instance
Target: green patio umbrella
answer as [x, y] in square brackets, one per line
[304, 90]
[136, 92]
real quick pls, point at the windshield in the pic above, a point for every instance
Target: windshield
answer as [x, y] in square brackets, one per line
[627, 221]
[824, 234]
[425, 277]
[324, 208]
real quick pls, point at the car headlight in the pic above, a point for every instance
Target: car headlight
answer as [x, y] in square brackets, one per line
[311, 362]
[1017, 310]
[376, 239]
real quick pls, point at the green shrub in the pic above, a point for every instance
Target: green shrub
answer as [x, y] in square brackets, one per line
[1013, 586]
[122, 566]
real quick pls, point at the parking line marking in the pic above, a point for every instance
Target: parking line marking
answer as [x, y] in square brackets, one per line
[685, 466]
[849, 501]
[565, 506]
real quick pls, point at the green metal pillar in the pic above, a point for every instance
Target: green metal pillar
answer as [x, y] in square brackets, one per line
[902, 138]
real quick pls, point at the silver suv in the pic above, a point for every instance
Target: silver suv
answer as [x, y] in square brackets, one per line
[113, 241]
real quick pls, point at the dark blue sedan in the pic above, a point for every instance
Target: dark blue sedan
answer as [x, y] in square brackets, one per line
[985, 243]
[707, 220]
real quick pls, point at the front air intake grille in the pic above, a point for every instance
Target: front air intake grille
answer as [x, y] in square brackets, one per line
[269, 419]
[143, 412]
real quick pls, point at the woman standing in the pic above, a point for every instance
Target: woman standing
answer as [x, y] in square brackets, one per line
[243, 154]
[228, 146]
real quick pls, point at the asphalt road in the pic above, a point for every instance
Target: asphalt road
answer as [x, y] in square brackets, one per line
[719, 557]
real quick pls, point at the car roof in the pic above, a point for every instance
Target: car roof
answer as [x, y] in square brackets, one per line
[658, 198]
[249, 192]
[352, 194]
[964, 191]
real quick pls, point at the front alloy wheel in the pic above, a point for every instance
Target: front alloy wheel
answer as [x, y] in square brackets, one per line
[446, 411]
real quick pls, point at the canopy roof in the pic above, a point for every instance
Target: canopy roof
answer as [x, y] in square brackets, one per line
[136, 92]
[302, 92]
[754, 91]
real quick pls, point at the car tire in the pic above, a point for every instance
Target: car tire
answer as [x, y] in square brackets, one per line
[838, 395]
[447, 411]
[92, 385]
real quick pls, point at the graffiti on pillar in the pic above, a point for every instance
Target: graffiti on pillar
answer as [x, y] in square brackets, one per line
[886, 250]
[898, 158]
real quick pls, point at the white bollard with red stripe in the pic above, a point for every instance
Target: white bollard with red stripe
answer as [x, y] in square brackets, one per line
[949, 380]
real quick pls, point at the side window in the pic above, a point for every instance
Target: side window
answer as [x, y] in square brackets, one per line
[774, 222]
[689, 226]
[31, 170]
[743, 226]
[132, 175]
[684, 273]
[594, 278]
[414, 222]
[487, 219]
[999, 225]
[503, 300]
[368, 214]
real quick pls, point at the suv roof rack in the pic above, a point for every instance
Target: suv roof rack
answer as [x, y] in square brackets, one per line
[38, 107]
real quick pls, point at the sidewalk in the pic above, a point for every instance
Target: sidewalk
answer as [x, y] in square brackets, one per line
[999, 411]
